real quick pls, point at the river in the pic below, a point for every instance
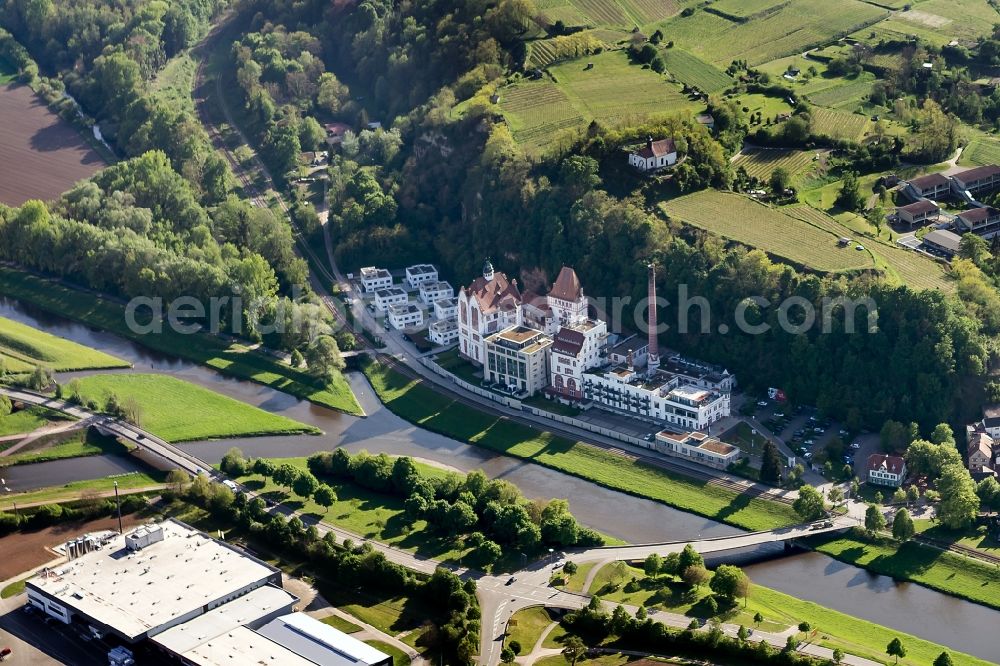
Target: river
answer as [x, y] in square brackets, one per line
[812, 576]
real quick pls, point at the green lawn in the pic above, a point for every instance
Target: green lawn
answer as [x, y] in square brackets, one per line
[977, 537]
[173, 84]
[526, 627]
[981, 151]
[771, 229]
[13, 589]
[80, 444]
[341, 624]
[178, 411]
[399, 657]
[81, 489]
[373, 515]
[26, 420]
[577, 580]
[950, 573]
[29, 346]
[230, 359]
[428, 409]
[603, 87]
[780, 611]
[693, 71]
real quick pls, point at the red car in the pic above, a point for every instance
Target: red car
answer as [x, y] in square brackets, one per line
[4, 653]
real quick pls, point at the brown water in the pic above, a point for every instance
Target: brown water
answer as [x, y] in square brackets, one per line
[812, 576]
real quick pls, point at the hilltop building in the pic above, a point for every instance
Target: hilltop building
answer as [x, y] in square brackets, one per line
[653, 155]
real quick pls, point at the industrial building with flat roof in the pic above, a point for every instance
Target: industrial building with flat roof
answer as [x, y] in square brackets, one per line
[194, 598]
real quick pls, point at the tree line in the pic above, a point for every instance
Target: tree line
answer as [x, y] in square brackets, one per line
[455, 618]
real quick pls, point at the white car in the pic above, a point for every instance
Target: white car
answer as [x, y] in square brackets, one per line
[762, 403]
[856, 445]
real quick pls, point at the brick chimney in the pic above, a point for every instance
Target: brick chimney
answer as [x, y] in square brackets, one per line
[653, 353]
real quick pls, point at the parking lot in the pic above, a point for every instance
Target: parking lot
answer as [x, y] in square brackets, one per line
[813, 439]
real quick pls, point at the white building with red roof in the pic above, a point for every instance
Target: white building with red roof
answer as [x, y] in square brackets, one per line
[489, 305]
[886, 470]
[653, 155]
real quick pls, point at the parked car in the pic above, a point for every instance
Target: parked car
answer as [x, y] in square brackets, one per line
[856, 445]
[807, 455]
[4, 653]
[762, 403]
[510, 581]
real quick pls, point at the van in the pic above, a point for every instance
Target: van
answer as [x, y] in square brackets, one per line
[231, 485]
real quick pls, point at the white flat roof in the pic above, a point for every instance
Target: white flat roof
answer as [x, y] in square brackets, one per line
[136, 592]
[320, 643]
[249, 608]
[243, 646]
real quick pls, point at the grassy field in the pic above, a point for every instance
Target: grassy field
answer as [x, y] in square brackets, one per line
[173, 84]
[373, 515]
[611, 91]
[430, 410]
[26, 420]
[981, 151]
[833, 629]
[526, 627]
[977, 538]
[899, 265]
[761, 162]
[178, 411]
[78, 444]
[399, 657]
[693, 71]
[952, 574]
[341, 624]
[797, 26]
[230, 359]
[770, 229]
[22, 345]
[940, 21]
[81, 489]
[839, 124]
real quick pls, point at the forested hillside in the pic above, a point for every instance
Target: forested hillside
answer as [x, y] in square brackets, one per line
[458, 187]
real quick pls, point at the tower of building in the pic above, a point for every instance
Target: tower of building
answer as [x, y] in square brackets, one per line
[653, 355]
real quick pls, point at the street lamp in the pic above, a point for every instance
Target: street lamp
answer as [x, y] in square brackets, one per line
[118, 503]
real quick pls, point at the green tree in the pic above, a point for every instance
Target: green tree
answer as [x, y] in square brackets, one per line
[902, 526]
[757, 618]
[780, 180]
[325, 496]
[974, 248]
[652, 565]
[264, 467]
[233, 463]
[809, 504]
[689, 557]
[838, 656]
[874, 520]
[912, 494]
[285, 475]
[305, 484]
[943, 659]
[770, 469]
[988, 492]
[573, 649]
[507, 655]
[835, 495]
[850, 197]
[323, 358]
[5, 406]
[895, 649]
[959, 501]
[515, 647]
[729, 581]
[695, 575]
[176, 479]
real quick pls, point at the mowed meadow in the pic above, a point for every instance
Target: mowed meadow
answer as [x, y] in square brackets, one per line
[41, 155]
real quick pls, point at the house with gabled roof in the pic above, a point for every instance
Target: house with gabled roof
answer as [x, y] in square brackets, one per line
[492, 303]
[653, 155]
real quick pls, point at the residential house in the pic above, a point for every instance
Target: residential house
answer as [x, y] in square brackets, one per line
[420, 273]
[443, 332]
[886, 470]
[517, 358]
[653, 155]
[983, 444]
[697, 446]
[446, 308]
[432, 291]
[373, 279]
[931, 186]
[919, 212]
[978, 179]
[405, 315]
[384, 298]
[492, 303]
[983, 222]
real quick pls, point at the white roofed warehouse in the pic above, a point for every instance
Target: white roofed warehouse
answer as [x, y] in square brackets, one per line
[196, 599]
